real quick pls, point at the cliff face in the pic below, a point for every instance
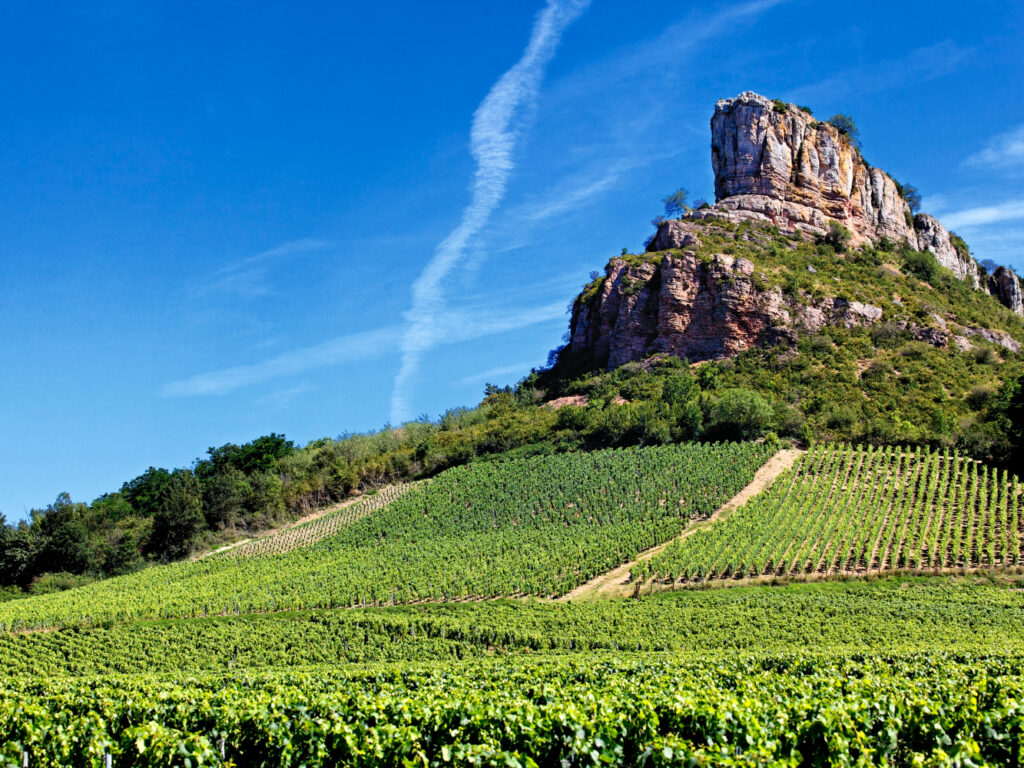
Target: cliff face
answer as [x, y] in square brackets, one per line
[932, 236]
[680, 306]
[777, 162]
[701, 310]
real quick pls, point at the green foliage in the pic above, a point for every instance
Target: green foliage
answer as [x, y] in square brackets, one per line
[845, 125]
[890, 613]
[960, 246]
[178, 516]
[739, 414]
[58, 582]
[937, 709]
[778, 105]
[911, 195]
[923, 265]
[837, 236]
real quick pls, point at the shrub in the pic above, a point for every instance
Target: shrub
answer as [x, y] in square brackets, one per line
[979, 396]
[779, 106]
[837, 236]
[985, 356]
[739, 414]
[922, 265]
[846, 126]
[58, 582]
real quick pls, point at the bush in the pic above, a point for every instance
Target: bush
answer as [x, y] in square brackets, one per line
[845, 125]
[837, 236]
[922, 265]
[979, 396]
[739, 414]
[58, 582]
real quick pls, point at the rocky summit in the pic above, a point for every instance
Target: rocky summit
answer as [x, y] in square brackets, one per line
[705, 288]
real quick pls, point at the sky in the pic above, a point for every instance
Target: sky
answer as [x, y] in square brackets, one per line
[224, 219]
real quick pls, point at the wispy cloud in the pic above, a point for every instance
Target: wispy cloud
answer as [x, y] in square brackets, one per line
[284, 397]
[356, 346]
[450, 328]
[249, 277]
[497, 374]
[921, 64]
[492, 140]
[1006, 149]
[985, 214]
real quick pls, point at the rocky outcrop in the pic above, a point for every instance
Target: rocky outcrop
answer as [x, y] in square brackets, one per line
[932, 236]
[678, 305]
[700, 310]
[1005, 286]
[777, 162]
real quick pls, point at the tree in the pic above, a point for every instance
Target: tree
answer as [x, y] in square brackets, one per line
[178, 518]
[64, 539]
[740, 414]
[837, 236]
[1010, 407]
[261, 455]
[912, 196]
[675, 204]
[845, 125]
[142, 492]
[19, 546]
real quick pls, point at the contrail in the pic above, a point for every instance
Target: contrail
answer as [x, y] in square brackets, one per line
[492, 140]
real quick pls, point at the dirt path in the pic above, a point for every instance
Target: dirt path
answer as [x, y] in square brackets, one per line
[615, 583]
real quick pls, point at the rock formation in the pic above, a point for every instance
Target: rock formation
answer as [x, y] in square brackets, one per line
[932, 236]
[1005, 286]
[774, 161]
[775, 164]
[685, 307]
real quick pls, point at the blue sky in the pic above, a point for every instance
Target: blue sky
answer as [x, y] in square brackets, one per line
[219, 220]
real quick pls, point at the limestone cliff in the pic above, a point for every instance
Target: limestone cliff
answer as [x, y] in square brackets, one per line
[777, 162]
[688, 307]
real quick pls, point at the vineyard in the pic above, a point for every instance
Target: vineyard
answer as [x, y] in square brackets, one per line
[538, 526]
[327, 525]
[790, 709]
[849, 510]
[938, 613]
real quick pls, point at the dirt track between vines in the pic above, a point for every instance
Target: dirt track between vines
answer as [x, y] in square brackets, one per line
[615, 583]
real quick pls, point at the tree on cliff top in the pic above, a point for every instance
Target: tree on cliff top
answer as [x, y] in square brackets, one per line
[675, 204]
[845, 125]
